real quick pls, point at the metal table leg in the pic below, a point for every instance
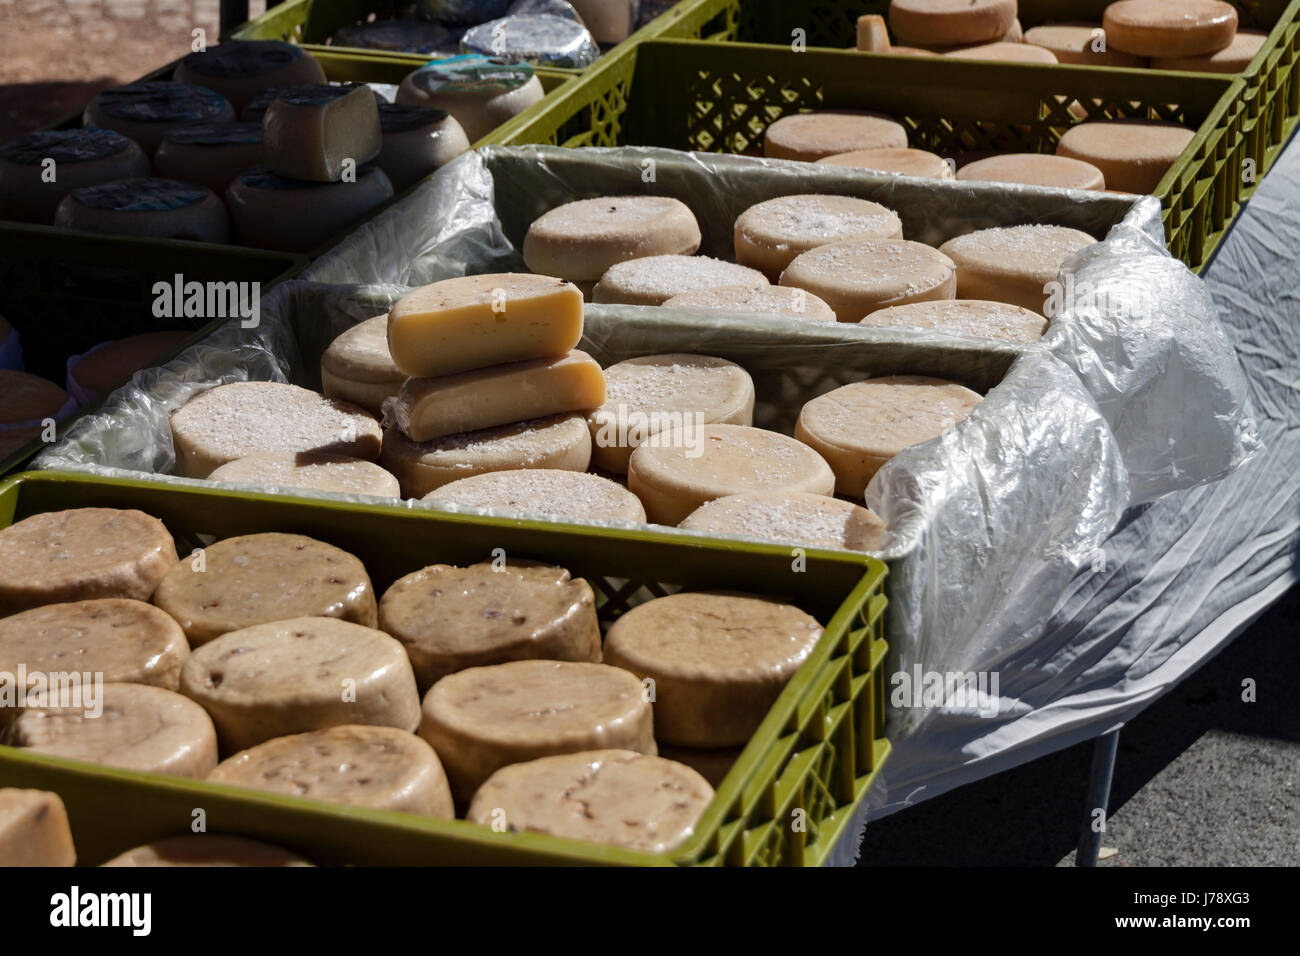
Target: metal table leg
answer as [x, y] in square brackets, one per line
[1096, 809]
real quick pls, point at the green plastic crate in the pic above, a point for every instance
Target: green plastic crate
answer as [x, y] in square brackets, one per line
[817, 751]
[721, 97]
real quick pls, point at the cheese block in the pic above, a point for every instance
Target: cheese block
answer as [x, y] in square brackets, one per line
[273, 212]
[27, 403]
[321, 138]
[582, 240]
[610, 21]
[207, 849]
[310, 471]
[770, 235]
[796, 518]
[718, 661]
[481, 92]
[209, 154]
[132, 726]
[485, 718]
[858, 276]
[563, 495]
[417, 142]
[676, 476]
[245, 418]
[974, 317]
[358, 368]
[1035, 169]
[450, 618]
[560, 442]
[256, 578]
[764, 300]
[254, 110]
[298, 674]
[82, 554]
[950, 22]
[616, 797]
[239, 68]
[470, 322]
[873, 35]
[1013, 264]
[542, 38]
[905, 162]
[654, 280]
[96, 373]
[149, 208]
[1083, 44]
[810, 136]
[1003, 52]
[1233, 58]
[144, 111]
[1164, 28]
[651, 396]
[430, 408]
[711, 763]
[381, 768]
[34, 829]
[72, 157]
[1133, 155]
[399, 36]
[859, 427]
[123, 640]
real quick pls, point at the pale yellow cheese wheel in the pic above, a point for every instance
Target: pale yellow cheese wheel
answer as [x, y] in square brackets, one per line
[1234, 58]
[905, 162]
[770, 235]
[1133, 155]
[104, 369]
[566, 495]
[1013, 264]
[950, 22]
[581, 240]
[858, 277]
[1035, 169]
[311, 472]
[1003, 52]
[1081, 44]
[654, 280]
[358, 368]
[810, 136]
[975, 317]
[1163, 28]
[766, 300]
[796, 518]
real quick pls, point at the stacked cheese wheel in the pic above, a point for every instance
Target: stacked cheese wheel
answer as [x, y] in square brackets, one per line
[312, 688]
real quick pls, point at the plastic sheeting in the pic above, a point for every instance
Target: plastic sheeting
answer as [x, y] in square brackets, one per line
[996, 529]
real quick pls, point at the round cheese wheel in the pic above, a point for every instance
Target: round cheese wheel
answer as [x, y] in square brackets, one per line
[1164, 28]
[1004, 53]
[770, 235]
[417, 142]
[239, 68]
[790, 517]
[73, 157]
[82, 554]
[718, 661]
[310, 471]
[1035, 169]
[859, 427]
[1133, 155]
[207, 849]
[764, 300]
[648, 396]
[150, 208]
[682, 471]
[125, 641]
[255, 578]
[1083, 44]
[259, 103]
[209, 154]
[566, 495]
[1233, 58]
[1013, 264]
[290, 215]
[905, 162]
[382, 768]
[810, 136]
[481, 92]
[559, 442]
[132, 726]
[617, 797]
[27, 402]
[357, 366]
[96, 373]
[950, 22]
[859, 276]
[544, 39]
[485, 718]
[711, 763]
[973, 317]
[399, 36]
[245, 418]
[581, 240]
[299, 674]
[146, 110]
[654, 280]
[450, 618]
